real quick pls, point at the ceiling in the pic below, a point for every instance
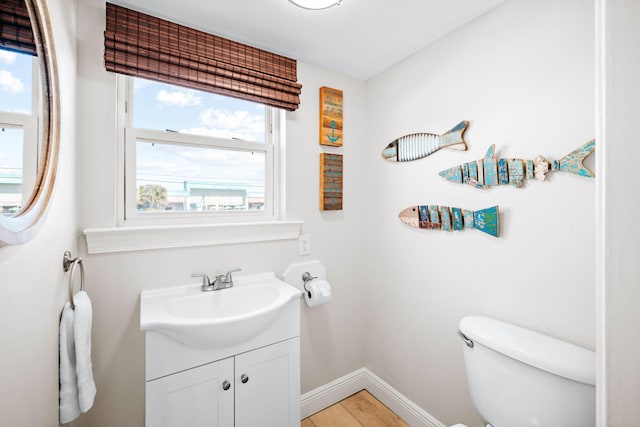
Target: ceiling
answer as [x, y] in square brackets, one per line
[358, 38]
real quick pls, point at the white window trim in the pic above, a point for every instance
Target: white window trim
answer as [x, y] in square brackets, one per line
[127, 214]
[132, 234]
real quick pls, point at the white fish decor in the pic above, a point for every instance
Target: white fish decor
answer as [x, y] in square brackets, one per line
[489, 172]
[434, 217]
[418, 145]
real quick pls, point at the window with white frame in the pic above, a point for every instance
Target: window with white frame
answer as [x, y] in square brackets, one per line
[193, 156]
[19, 112]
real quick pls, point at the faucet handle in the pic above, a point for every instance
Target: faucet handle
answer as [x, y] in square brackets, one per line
[227, 276]
[206, 283]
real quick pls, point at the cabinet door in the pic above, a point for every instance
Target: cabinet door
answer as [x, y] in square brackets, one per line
[270, 397]
[194, 398]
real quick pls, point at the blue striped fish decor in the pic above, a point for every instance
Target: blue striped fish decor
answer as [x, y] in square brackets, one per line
[490, 172]
[444, 218]
[418, 145]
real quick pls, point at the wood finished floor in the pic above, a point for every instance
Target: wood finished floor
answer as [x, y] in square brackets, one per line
[359, 410]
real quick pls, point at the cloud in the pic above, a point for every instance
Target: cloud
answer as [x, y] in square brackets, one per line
[9, 83]
[179, 98]
[7, 57]
[230, 124]
[18, 110]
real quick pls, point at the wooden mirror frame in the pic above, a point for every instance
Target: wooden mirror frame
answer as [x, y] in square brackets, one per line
[24, 226]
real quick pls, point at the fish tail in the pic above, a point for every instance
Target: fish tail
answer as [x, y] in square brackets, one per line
[572, 162]
[454, 139]
[487, 221]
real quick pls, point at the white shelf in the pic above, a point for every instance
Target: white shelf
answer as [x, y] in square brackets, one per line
[123, 239]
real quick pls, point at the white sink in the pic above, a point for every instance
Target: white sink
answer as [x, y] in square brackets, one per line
[216, 319]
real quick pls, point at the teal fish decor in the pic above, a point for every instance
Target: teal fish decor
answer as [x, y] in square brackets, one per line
[418, 145]
[451, 219]
[489, 172]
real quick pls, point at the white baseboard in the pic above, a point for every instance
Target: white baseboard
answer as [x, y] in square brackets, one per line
[326, 395]
[363, 379]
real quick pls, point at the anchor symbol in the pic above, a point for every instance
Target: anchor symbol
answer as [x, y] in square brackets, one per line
[333, 137]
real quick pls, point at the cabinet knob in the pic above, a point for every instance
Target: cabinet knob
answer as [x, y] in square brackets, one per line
[226, 385]
[244, 379]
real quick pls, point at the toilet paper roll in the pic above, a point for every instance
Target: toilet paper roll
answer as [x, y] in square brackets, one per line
[318, 292]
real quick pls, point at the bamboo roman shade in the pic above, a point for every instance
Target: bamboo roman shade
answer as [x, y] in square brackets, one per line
[15, 27]
[141, 45]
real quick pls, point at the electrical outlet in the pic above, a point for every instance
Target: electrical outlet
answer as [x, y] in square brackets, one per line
[304, 244]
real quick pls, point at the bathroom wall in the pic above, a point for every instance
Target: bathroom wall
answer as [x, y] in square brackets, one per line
[618, 242]
[523, 75]
[332, 343]
[33, 286]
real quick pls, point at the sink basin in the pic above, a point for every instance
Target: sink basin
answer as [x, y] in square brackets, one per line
[216, 319]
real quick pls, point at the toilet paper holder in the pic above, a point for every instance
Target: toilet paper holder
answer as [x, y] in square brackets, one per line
[307, 277]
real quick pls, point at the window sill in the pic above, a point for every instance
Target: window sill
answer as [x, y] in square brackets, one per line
[124, 239]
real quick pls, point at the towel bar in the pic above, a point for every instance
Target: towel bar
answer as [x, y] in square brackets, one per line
[69, 263]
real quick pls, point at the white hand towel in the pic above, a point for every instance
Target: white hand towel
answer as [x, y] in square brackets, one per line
[69, 407]
[82, 334]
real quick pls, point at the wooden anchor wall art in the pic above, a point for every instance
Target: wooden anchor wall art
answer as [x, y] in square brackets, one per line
[489, 172]
[331, 106]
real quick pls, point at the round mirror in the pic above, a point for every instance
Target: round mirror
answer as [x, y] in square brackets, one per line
[29, 128]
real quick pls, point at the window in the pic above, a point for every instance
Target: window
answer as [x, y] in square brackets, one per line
[192, 156]
[19, 95]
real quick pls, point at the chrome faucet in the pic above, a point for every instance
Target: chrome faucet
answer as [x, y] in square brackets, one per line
[222, 281]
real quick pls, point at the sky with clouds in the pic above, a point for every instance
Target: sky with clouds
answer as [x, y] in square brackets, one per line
[15, 97]
[15, 81]
[161, 106]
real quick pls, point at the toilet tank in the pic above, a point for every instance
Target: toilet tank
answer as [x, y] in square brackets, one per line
[522, 378]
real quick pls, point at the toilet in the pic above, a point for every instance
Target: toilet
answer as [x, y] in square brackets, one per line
[521, 378]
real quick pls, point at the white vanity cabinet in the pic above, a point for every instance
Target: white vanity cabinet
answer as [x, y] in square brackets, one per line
[202, 369]
[259, 388]
[194, 398]
[271, 395]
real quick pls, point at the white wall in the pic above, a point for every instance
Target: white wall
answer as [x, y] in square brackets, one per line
[331, 335]
[523, 75]
[618, 239]
[33, 286]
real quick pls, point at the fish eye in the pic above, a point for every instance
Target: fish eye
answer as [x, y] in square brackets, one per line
[413, 209]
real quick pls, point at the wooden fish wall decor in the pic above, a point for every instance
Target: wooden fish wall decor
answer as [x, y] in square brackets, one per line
[489, 172]
[418, 145]
[448, 219]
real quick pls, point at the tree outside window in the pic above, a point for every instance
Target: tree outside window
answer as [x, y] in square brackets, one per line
[152, 196]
